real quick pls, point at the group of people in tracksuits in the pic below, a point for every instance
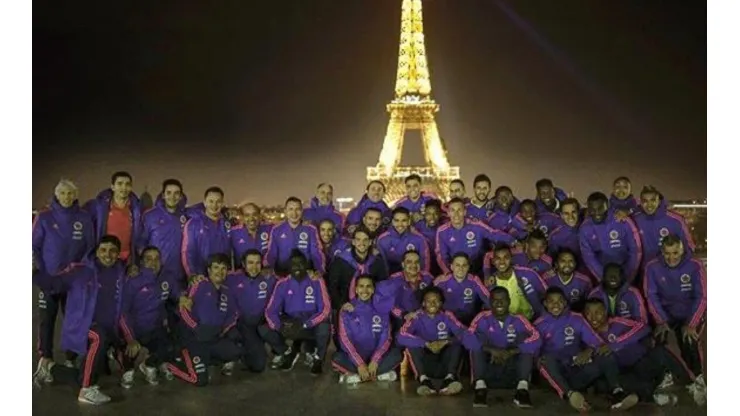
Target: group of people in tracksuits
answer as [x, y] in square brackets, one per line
[503, 288]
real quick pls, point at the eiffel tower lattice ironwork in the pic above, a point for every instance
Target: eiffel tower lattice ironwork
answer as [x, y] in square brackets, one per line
[413, 109]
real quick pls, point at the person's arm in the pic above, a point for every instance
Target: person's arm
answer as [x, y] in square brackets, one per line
[442, 251]
[588, 335]
[275, 306]
[346, 343]
[536, 295]
[323, 304]
[37, 241]
[407, 335]
[480, 289]
[589, 257]
[634, 247]
[652, 297]
[384, 345]
[496, 237]
[532, 342]
[636, 306]
[685, 234]
[457, 328]
[635, 333]
[191, 261]
[317, 253]
[273, 250]
[125, 321]
[699, 305]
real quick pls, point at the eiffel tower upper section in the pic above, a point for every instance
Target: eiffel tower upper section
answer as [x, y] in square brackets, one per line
[413, 109]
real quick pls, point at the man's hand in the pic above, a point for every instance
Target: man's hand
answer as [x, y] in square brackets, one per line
[660, 333]
[583, 357]
[348, 307]
[621, 215]
[498, 356]
[436, 346]
[490, 281]
[603, 350]
[185, 303]
[372, 368]
[132, 270]
[363, 372]
[132, 349]
[411, 315]
[314, 275]
[689, 334]
[196, 278]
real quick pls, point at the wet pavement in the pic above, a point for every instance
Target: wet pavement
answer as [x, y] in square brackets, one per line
[298, 393]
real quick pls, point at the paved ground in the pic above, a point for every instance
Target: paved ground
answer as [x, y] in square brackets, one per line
[298, 393]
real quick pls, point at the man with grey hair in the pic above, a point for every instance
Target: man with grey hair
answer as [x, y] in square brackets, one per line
[62, 234]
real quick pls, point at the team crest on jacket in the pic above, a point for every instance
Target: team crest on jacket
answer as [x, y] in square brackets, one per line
[376, 319]
[264, 236]
[569, 331]
[525, 281]
[664, 232]
[611, 338]
[622, 306]
[422, 285]
[468, 292]
[410, 247]
[196, 360]
[223, 297]
[309, 291]
[613, 234]
[183, 219]
[227, 224]
[263, 286]
[165, 286]
[575, 293]
[303, 236]
[441, 326]
[470, 235]
[685, 278]
[510, 329]
[543, 228]
[77, 226]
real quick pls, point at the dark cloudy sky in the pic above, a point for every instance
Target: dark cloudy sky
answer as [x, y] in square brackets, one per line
[268, 98]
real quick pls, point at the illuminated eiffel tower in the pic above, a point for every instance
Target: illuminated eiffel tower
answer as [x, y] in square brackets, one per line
[413, 109]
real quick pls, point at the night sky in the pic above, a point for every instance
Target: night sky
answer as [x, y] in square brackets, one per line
[268, 98]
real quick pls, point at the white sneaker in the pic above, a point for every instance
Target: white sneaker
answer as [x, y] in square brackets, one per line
[667, 382]
[127, 380]
[389, 376]
[92, 395]
[352, 379]
[277, 361]
[341, 379]
[69, 364]
[166, 372]
[42, 374]
[308, 359]
[665, 399]
[698, 390]
[228, 369]
[150, 373]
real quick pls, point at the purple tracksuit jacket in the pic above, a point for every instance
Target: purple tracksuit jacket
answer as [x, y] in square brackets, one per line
[364, 333]
[624, 337]
[251, 294]
[422, 328]
[610, 242]
[418, 205]
[203, 237]
[576, 289]
[400, 294]
[306, 299]
[473, 239]
[628, 303]
[99, 208]
[242, 240]
[676, 294]
[563, 336]
[164, 230]
[355, 214]
[392, 246]
[653, 228]
[464, 298]
[214, 311]
[515, 332]
[316, 213]
[143, 304]
[62, 236]
[284, 238]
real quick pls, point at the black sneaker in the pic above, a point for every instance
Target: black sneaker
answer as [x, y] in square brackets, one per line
[622, 401]
[522, 400]
[289, 359]
[317, 367]
[480, 398]
[450, 387]
[426, 388]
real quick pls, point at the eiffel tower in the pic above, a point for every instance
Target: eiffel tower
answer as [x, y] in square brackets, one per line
[413, 109]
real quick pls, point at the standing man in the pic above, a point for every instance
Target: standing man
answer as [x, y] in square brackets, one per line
[322, 208]
[163, 227]
[252, 233]
[576, 286]
[465, 294]
[399, 238]
[528, 220]
[117, 211]
[373, 198]
[621, 198]
[332, 243]
[548, 197]
[534, 255]
[293, 234]
[604, 239]
[479, 208]
[655, 222]
[61, 235]
[415, 199]
[566, 235]
[428, 227]
[620, 298]
[206, 235]
[470, 237]
[526, 287]
[504, 207]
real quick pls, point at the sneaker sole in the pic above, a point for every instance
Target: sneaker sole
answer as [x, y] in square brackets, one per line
[480, 405]
[522, 405]
[454, 388]
[388, 378]
[425, 391]
[86, 401]
[626, 404]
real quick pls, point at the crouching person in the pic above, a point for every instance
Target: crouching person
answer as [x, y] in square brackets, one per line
[299, 310]
[433, 340]
[252, 290]
[503, 349]
[208, 328]
[365, 351]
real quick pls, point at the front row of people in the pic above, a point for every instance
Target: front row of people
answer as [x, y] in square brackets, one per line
[229, 317]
